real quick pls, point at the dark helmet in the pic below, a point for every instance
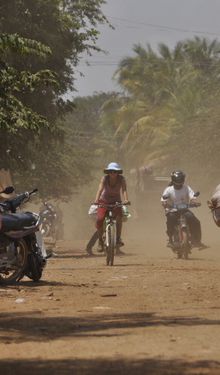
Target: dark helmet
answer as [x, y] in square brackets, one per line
[177, 177]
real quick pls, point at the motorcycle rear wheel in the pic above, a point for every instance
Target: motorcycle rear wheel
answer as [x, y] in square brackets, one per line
[15, 271]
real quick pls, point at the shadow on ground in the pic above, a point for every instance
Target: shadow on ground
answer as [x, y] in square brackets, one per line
[21, 327]
[155, 366]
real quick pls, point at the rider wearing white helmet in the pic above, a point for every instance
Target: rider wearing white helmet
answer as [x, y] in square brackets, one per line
[112, 189]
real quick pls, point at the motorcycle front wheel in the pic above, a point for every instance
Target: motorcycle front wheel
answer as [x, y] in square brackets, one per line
[34, 268]
[13, 270]
[185, 244]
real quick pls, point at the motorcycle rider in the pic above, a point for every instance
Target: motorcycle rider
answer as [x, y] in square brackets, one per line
[178, 192]
[214, 204]
[111, 188]
[142, 179]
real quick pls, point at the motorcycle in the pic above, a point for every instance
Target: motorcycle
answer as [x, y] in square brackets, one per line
[22, 251]
[49, 218]
[181, 238]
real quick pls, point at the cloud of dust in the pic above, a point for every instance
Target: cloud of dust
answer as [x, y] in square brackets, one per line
[145, 231]
[77, 223]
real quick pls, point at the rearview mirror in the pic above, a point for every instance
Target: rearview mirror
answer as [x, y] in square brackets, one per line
[196, 194]
[166, 196]
[8, 190]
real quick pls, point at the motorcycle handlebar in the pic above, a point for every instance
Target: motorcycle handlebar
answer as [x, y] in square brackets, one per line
[33, 191]
[196, 204]
[186, 207]
[12, 204]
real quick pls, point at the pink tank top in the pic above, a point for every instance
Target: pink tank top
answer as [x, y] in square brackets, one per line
[112, 194]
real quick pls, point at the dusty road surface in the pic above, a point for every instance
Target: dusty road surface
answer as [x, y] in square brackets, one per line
[149, 314]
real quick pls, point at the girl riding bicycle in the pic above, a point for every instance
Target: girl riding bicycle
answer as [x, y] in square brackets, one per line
[111, 189]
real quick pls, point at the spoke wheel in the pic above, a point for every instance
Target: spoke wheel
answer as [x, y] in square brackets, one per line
[185, 245]
[14, 269]
[111, 246]
[107, 256]
[34, 268]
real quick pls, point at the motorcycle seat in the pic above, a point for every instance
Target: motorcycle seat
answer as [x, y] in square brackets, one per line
[17, 221]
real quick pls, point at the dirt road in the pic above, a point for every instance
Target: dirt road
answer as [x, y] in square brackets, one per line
[146, 315]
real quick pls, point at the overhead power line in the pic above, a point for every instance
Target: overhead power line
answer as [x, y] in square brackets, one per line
[153, 65]
[164, 27]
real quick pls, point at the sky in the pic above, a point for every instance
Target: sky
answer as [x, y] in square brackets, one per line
[143, 21]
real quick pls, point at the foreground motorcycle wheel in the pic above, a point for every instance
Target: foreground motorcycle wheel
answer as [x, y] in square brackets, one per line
[14, 270]
[34, 268]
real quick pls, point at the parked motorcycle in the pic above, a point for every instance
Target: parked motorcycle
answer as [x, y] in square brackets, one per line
[51, 221]
[48, 220]
[22, 249]
[181, 239]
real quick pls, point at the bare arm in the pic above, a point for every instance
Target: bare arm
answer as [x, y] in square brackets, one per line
[124, 191]
[100, 190]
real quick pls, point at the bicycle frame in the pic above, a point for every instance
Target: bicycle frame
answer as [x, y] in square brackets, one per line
[110, 231]
[110, 222]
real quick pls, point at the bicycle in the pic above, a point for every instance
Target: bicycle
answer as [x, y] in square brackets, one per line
[110, 231]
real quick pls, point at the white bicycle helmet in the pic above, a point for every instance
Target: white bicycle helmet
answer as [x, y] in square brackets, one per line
[113, 167]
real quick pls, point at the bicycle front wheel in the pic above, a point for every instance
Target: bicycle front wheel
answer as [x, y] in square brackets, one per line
[111, 244]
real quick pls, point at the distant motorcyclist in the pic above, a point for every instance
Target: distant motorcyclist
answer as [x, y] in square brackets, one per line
[214, 204]
[143, 184]
[176, 193]
[52, 220]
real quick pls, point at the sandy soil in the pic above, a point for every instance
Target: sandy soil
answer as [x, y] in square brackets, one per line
[149, 314]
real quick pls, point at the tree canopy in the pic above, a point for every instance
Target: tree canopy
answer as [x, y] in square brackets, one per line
[169, 115]
[40, 46]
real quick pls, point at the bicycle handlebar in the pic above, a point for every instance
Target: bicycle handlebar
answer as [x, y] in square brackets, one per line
[112, 205]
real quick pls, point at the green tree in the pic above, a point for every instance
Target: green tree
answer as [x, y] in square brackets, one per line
[31, 103]
[171, 97]
[14, 115]
[68, 28]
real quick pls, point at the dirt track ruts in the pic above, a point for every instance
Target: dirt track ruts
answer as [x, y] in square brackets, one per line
[146, 315]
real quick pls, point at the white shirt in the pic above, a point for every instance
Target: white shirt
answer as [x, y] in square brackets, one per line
[183, 195]
[216, 197]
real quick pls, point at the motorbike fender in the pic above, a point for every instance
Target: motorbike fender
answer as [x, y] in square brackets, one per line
[40, 243]
[20, 233]
[183, 226]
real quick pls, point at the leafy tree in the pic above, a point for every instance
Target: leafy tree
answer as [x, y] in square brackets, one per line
[170, 112]
[38, 37]
[14, 115]
[68, 28]
[85, 132]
